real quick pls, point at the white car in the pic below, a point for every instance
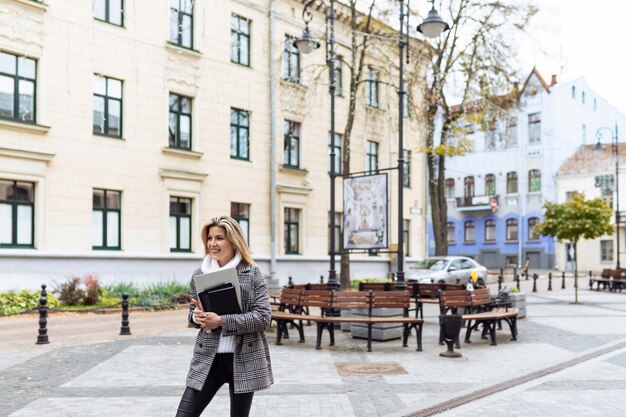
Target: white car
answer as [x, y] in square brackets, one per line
[448, 269]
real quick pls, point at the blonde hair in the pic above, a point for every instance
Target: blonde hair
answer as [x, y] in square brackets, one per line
[234, 234]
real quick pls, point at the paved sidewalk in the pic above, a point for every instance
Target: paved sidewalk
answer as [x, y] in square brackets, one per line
[569, 360]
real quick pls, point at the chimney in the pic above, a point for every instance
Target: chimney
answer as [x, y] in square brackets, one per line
[553, 82]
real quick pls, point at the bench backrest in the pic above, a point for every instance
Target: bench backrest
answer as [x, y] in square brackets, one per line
[480, 297]
[390, 299]
[455, 299]
[290, 296]
[314, 298]
[350, 299]
[428, 291]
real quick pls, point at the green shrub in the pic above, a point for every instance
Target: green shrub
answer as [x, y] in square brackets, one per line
[70, 292]
[354, 284]
[24, 301]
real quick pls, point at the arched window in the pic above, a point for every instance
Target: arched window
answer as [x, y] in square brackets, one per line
[470, 232]
[511, 230]
[449, 187]
[490, 231]
[468, 191]
[450, 227]
[511, 183]
[534, 181]
[532, 233]
[490, 184]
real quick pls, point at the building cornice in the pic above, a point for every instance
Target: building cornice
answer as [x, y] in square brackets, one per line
[26, 154]
[182, 175]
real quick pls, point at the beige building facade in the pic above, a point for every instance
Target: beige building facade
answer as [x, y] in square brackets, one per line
[123, 131]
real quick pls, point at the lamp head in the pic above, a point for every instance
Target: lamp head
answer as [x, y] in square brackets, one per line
[433, 25]
[307, 43]
[598, 147]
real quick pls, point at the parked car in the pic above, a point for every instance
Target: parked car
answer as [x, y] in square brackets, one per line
[448, 269]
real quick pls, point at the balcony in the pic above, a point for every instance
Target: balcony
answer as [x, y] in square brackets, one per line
[476, 203]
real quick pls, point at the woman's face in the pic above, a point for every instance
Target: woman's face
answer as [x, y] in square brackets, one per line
[220, 248]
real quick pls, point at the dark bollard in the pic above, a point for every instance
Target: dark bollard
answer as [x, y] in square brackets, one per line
[535, 276]
[42, 338]
[500, 279]
[549, 281]
[125, 330]
[501, 272]
[517, 280]
[590, 281]
[290, 282]
[526, 275]
[563, 281]
[321, 279]
[450, 329]
[458, 280]
[514, 273]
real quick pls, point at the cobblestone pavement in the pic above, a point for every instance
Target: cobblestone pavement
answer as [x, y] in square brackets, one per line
[574, 358]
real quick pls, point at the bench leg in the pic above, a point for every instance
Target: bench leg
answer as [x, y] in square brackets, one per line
[406, 332]
[418, 330]
[318, 342]
[492, 332]
[279, 332]
[513, 326]
[331, 332]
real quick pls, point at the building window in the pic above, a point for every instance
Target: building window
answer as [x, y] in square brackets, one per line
[470, 232]
[241, 213]
[371, 155]
[110, 11]
[582, 97]
[595, 104]
[511, 132]
[292, 234]
[534, 181]
[371, 87]
[490, 140]
[336, 146]
[106, 225]
[450, 229]
[606, 250]
[511, 230]
[406, 155]
[17, 87]
[240, 40]
[534, 128]
[181, 23]
[468, 189]
[180, 224]
[180, 122]
[291, 61]
[532, 233]
[406, 237]
[338, 77]
[573, 91]
[239, 134]
[490, 231]
[511, 183]
[449, 188]
[584, 130]
[338, 234]
[291, 153]
[17, 213]
[490, 184]
[107, 106]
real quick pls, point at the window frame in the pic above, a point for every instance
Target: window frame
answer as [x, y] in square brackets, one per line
[449, 188]
[290, 54]
[606, 255]
[490, 225]
[371, 88]
[239, 127]
[338, 231]
[236, 35]
[533, 236]
[490, 184]
[469, 227]
[534, 181]
[178, 216]
[337, 145]
[291, 139]
[180, 14]
[371, 156]
[291, 223]
[450, 227]
[236, 210]
[179, 113]
[512, 179]
[106, 98]
[406, 155]
[107, 10]
[469, 186]
[105, 229]
[534, 128]
[17, 116]
[510, 223]
[14, 204]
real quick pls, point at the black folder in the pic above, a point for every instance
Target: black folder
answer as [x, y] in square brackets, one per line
[220, 300]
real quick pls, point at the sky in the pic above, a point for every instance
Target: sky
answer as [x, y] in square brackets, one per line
[574, 38]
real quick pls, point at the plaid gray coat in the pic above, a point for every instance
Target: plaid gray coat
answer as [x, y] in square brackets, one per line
[252, 369]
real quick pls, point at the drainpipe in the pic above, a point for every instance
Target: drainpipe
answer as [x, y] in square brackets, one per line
[272, 144]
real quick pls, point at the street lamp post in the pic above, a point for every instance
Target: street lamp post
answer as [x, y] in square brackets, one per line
[431, 27]
[306, 44]
[616, 157]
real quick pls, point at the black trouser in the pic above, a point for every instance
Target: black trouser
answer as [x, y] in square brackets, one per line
[194, 402]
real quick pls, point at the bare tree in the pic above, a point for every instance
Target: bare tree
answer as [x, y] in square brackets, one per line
[472, 62]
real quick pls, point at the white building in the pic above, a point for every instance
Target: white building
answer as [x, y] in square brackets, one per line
[513, 165]
[123, 131]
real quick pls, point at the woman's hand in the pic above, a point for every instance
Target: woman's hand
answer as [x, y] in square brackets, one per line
[206, 319]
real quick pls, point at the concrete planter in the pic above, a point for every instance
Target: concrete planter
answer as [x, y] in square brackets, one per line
[519, 301]
[381, 332]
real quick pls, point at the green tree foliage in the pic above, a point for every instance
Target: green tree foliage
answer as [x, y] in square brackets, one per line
[575, 220]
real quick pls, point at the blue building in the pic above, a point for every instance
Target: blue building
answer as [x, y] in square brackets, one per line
[495, 194]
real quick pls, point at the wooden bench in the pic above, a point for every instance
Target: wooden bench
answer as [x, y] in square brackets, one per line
[369, 300]
[425, 293]
[476, 306]
[613, 279]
